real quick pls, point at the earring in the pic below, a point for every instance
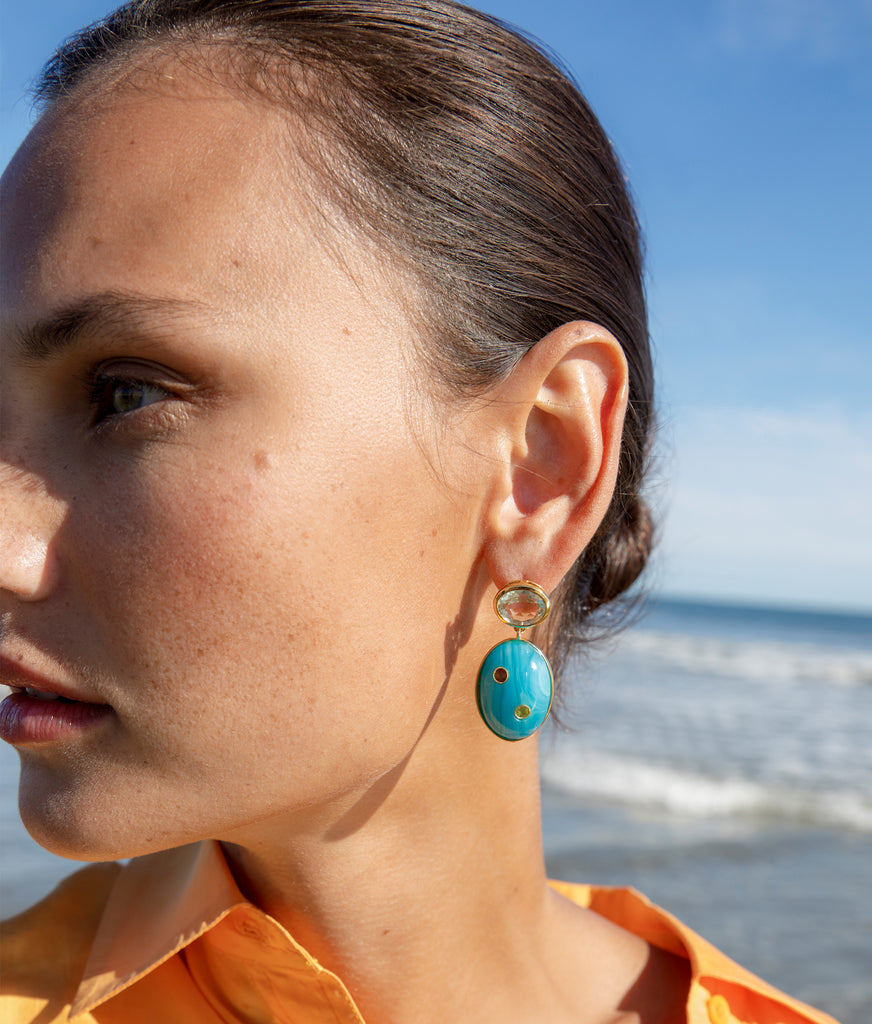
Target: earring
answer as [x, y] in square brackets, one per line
[515, 684]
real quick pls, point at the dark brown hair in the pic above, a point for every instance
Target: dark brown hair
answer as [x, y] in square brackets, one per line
[475, 161]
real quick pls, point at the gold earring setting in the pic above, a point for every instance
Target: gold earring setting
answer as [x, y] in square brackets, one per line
[515, 683]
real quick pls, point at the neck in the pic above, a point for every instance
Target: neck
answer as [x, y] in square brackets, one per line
[413, 893]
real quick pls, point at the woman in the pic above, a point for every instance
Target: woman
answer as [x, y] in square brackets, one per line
[324, 324]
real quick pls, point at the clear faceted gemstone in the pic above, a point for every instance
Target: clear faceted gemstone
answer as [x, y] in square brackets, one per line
[521, 607]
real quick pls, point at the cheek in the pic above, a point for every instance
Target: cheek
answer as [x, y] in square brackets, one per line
[201, 573]
[178, 551]
[272, 599]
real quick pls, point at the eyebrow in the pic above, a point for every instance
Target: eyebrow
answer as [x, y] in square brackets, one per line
[106, 313]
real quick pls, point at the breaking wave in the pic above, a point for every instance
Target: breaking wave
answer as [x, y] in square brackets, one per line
[763, 660]
[674, 791]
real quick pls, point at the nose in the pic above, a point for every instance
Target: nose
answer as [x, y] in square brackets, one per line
[29, 522]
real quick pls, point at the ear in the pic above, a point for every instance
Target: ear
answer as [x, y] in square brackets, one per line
[559, 421]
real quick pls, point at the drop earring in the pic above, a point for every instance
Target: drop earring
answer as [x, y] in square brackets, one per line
[515, 684]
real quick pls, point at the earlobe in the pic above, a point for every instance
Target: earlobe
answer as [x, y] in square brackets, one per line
[564, 412]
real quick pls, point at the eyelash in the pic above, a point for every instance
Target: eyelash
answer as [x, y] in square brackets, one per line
[101, 387]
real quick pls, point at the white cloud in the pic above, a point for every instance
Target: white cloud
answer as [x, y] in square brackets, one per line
[770, 505]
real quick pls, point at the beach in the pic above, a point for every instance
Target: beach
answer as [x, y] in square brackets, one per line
[717, 758]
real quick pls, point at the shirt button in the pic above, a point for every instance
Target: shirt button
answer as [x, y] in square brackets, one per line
[718, 1010]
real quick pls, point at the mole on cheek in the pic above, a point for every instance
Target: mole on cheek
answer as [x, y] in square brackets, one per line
[262, 461]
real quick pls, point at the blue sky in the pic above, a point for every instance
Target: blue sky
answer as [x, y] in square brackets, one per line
[744, 126]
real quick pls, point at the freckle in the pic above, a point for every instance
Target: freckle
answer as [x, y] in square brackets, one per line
[346, 331]
[433, 532]
[235, 263]
[262, 461]
[93, 241]
[422, 553]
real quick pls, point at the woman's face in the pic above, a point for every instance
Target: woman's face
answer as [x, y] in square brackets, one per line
[219, 522]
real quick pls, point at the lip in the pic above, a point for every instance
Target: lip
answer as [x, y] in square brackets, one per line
[19, 677]
[28, 719]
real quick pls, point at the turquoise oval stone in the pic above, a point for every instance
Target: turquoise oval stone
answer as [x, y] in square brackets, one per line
[514, 689]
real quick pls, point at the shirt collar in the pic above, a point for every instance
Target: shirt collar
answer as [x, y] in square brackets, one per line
[159, 904]
[711, 970]
[163, 902]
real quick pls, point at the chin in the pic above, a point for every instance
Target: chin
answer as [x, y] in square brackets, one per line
[74, 822]
[64, 838]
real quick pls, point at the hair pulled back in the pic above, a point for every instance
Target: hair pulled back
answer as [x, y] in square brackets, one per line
[466, 152]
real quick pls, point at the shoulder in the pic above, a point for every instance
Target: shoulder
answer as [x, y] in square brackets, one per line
[45, 949]
[721, 992]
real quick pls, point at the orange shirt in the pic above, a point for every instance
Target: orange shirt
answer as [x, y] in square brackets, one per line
[169, 938]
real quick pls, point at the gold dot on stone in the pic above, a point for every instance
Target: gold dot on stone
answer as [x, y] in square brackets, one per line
[500, 675]
[522, 711]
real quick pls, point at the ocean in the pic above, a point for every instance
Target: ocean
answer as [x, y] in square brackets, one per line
[719, 759]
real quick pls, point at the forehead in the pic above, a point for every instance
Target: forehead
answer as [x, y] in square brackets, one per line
[172, 182]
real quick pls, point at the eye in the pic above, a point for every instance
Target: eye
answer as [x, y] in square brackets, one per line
[115, 396]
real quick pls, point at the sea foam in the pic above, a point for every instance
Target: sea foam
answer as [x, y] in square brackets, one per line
[767, 660]
[666, 789]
